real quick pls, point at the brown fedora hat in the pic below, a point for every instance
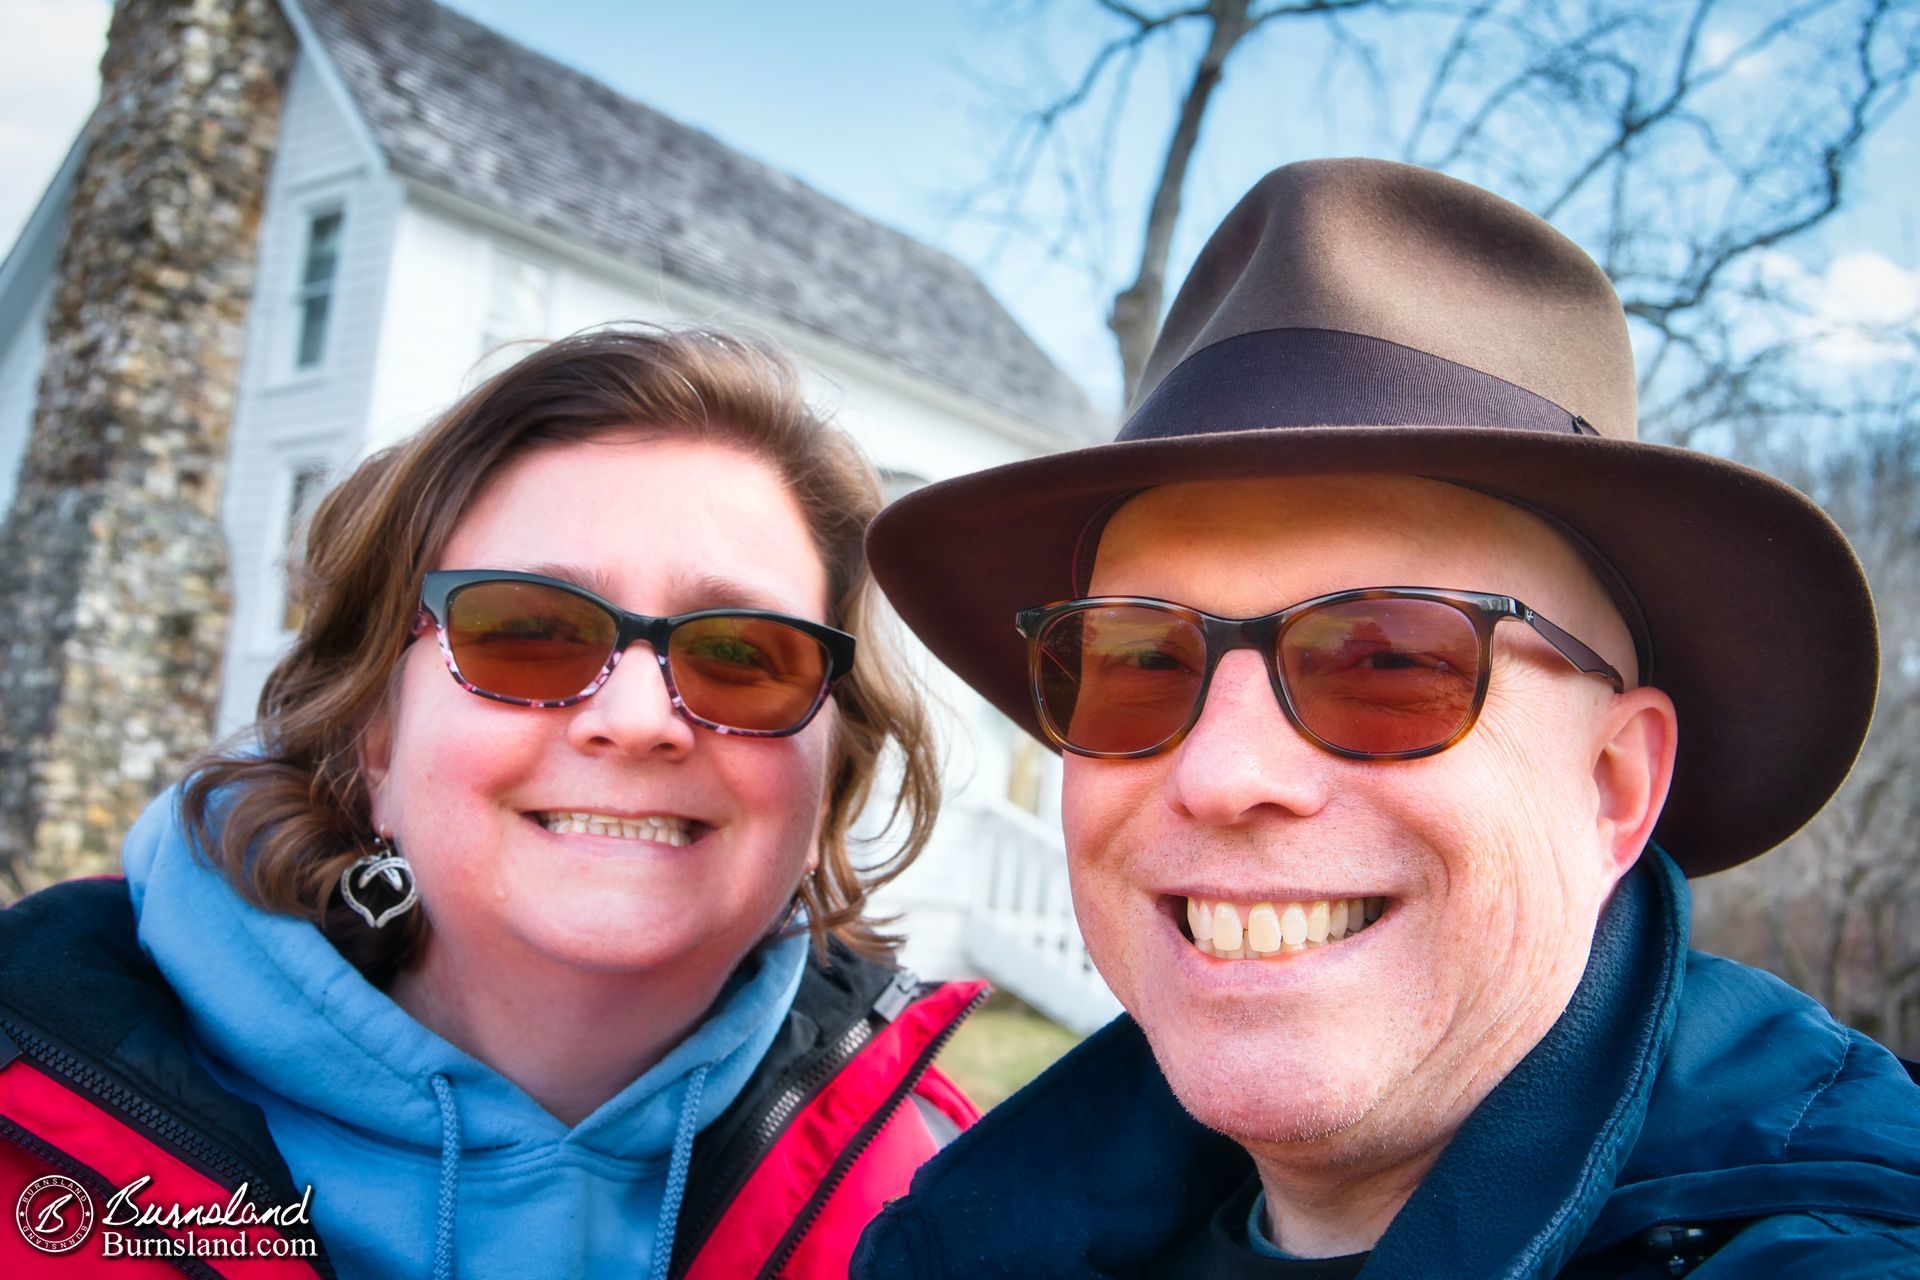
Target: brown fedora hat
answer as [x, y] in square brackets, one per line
[1357, 316]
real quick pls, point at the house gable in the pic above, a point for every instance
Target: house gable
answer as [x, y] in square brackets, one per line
[460, 108]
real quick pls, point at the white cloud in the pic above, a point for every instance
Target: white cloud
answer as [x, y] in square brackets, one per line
[1721, 44]
[1862, 309]
[49, 77]
[1866, 310]
[1870, 289]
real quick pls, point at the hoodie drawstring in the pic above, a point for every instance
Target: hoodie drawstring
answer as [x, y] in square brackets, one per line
[677, 1174]
[669, 1201]
[449, 1178]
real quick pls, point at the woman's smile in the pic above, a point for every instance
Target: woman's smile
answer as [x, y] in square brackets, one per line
[656, 828]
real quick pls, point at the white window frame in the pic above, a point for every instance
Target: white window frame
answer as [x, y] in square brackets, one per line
[304, 291]
[288, 537]
[497, 350]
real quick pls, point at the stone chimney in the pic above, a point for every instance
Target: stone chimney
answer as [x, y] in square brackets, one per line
[112, 560]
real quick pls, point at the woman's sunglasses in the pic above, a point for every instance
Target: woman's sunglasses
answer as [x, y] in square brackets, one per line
[536, 641]
[1387, 673]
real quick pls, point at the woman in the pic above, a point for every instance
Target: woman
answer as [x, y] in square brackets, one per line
[526, 919]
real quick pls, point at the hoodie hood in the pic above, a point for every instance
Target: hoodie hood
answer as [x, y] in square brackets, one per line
[377, 1111]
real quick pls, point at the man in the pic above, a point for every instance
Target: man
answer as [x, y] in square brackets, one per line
[1401, 688]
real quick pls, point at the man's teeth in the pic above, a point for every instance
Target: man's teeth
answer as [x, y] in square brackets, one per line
[660, 829]
[1250, 931]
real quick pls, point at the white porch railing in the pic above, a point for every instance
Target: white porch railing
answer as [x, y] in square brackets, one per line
[1020, 931]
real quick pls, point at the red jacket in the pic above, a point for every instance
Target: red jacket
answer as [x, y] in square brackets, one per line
[98, 1085]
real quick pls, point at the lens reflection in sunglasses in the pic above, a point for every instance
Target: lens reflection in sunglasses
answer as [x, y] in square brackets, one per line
[541, 644]
[1121, 678]
[746, 673]
[1382, 676]
[1377, 677]
[523, 640]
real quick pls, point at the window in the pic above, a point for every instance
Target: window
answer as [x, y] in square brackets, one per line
[516, 302]
[304, 489]
[315, 299]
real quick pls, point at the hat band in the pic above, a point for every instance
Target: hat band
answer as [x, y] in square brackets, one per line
[1331, 378]
[1279, 378]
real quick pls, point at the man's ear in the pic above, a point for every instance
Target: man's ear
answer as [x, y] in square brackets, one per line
[1632, 770]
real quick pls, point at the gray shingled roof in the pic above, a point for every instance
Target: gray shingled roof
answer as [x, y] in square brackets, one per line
[460, 107]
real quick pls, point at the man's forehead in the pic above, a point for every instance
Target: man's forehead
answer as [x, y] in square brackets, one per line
[1254, 544]
[1379, 518]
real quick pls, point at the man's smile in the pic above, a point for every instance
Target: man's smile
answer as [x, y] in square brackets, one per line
[1229, 930]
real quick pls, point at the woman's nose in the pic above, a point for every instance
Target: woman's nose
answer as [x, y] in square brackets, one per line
[633, 711]
[1243, 755]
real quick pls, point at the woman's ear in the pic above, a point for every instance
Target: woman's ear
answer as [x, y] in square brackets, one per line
[1632, 770]
[819, 839]
[375, 750]
[836, 763]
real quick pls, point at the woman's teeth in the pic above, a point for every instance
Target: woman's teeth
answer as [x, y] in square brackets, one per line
[660, 829]
[1256, 930]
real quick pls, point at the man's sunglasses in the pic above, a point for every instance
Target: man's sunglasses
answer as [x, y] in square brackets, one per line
[536, 641]
[1386, 673]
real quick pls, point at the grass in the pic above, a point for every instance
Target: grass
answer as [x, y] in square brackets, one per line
[1001, 1047]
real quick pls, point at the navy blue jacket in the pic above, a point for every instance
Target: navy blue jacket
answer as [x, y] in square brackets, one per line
[1677, 1091]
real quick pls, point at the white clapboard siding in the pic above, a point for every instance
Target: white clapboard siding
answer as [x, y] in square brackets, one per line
[286, 418]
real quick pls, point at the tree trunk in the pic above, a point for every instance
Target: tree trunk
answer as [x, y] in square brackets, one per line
[1135, 318]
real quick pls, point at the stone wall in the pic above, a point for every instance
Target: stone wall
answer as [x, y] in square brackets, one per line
[112, 560]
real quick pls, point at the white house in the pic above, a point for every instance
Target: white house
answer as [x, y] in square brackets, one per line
[439, 193]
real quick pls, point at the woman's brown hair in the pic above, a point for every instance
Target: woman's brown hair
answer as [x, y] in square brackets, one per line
[287, 811]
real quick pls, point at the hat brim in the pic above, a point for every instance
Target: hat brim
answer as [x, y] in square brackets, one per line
[1761, 621]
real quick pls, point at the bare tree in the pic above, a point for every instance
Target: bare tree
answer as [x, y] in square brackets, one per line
[1227, 27]
[1837, 909]
[1681, 143]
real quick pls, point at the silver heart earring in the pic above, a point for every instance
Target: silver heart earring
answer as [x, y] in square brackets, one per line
[390, 865]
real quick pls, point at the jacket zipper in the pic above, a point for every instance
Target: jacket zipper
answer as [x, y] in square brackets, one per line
[90, 1178]
[862, 1139]
[750, 1148]
[209, 1155]
[768, 1128]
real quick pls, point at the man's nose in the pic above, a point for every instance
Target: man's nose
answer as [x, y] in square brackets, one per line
[632, 712]
[1243, 756]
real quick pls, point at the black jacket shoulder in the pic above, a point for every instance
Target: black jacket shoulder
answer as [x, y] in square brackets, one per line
[80, 997]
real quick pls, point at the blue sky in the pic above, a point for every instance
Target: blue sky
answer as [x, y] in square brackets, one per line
[892, 108]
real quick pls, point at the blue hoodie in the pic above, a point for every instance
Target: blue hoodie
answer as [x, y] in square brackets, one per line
[423, 1160]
